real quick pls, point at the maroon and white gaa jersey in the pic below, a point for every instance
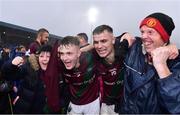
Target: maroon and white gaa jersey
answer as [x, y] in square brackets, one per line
[83, 83]
[112, 77]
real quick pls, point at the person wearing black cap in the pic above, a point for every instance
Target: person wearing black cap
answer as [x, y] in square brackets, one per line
[152, 82]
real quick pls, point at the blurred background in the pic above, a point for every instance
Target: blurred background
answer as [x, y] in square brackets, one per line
[69, 17]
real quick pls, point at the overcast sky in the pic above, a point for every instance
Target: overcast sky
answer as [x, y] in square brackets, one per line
[69, 17]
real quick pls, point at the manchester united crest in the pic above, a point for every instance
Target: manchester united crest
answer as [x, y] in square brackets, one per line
[151, 22]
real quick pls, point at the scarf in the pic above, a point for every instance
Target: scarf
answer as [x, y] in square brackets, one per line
[51, 79]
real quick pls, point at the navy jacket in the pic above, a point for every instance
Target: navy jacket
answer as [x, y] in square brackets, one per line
[144, 91]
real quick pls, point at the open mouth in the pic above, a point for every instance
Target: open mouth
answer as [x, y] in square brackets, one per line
[44, 64]
[67, 64]
[147, 43]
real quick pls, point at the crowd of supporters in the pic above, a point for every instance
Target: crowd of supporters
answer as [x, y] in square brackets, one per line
[115, 75]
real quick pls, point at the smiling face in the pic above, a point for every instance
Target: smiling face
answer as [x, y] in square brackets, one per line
[69, 54]
[44, 37]
[44, 59]
[151, 38]
[103, 43]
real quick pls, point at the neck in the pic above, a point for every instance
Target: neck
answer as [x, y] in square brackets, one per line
[38, 41]
[149, 58]
[77, 64]
[110, 58]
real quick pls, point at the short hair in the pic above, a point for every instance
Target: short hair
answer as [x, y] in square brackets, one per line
[41, 30]
[100, 29]
[70, 40]
[84, 35]
[20, 47]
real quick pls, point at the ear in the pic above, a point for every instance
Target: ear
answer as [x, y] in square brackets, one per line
[113, 40]
[39, 35]
[79, 53]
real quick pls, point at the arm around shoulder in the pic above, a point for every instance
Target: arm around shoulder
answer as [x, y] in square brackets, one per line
[129, 37]
[87, 48]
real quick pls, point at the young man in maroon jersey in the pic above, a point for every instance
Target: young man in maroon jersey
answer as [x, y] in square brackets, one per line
[79, 73]
[109, 67]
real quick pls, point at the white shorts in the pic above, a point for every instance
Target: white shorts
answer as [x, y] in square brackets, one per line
[107, 109]
[90, 108]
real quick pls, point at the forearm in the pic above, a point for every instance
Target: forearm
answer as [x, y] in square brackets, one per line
[9, 68]
[87, 48]
[162, 70]
[128, 37]
[12, 72]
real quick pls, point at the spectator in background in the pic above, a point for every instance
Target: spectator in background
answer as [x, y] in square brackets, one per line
[41, 38]
[83, 38]
[5, 54]
[21, 48]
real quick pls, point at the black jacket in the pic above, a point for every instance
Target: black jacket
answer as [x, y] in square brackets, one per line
[31, 94]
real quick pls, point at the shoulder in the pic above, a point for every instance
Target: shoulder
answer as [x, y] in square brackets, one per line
[34, 44]
[33, 62]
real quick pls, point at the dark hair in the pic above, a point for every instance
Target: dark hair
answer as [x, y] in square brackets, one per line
[100, 29]
[19, 47]
[44, 48]
[41, 31]
[83, 35]
[70, 40]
